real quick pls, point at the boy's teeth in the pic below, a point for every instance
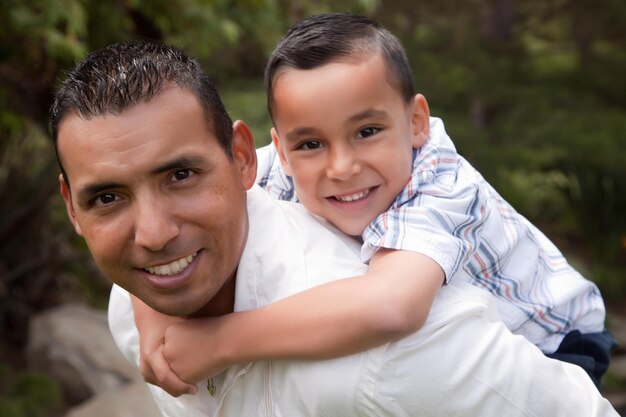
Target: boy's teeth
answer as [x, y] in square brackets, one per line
[171, 268]
[352, 197]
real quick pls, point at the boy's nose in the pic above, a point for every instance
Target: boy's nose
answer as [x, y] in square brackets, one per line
[155, 226]
[342, 165]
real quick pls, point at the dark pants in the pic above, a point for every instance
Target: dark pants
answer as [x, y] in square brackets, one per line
[591, 351]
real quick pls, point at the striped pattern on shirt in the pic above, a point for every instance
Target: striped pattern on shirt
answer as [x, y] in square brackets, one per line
[449, 213]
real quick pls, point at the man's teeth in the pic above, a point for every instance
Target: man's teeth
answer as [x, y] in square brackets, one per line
[353, 197]
[171, 268]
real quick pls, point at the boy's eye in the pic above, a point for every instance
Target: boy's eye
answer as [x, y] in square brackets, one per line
[182, 174]
[366, 132]
[309, 145]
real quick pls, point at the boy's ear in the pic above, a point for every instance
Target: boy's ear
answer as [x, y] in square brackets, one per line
[244, 153]
[420, 121]
[281, 154]
[67, 197]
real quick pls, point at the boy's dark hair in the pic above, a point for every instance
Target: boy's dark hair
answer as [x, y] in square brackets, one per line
[318, 40]
[119, 76]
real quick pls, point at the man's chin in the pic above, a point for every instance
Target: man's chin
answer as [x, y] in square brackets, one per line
[208, 310]
[182, 304]
[175, 309]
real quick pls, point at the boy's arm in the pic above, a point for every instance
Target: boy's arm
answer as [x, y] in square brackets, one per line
[338, 318]
[154, 368]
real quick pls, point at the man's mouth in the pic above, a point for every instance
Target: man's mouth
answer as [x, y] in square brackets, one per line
[353, 197]
[171, 268]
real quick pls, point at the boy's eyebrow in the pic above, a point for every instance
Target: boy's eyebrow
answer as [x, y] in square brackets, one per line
[367, 114]
[300, 131]
[85, 193]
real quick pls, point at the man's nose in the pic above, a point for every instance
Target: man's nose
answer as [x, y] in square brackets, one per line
[343, 163]
[155, 225]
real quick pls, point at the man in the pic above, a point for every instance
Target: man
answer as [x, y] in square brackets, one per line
[161, 186]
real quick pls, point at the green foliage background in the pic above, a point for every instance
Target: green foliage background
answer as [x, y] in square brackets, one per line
[533, 93]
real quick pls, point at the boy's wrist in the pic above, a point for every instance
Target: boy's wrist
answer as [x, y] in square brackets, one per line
[221, 347]
[238, 338]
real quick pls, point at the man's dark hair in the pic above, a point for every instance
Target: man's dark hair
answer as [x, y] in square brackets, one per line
[321, 39]
[119, 76]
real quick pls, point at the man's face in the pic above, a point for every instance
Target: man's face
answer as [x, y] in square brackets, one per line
[346, 136]
[160, 205]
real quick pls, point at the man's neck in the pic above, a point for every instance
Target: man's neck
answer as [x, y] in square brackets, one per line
[222, 303]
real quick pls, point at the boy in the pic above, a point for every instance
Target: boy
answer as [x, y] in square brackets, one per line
[359, 149]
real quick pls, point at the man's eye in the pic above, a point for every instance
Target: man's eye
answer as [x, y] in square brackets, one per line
[310, 145]
[104, 199]
[366, 132]
[182, 174]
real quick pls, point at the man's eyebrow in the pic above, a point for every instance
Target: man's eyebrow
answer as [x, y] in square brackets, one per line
[179, 163]
[85, 193]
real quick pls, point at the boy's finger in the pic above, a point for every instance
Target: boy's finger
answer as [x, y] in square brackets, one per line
[147, 373]
[167, 378]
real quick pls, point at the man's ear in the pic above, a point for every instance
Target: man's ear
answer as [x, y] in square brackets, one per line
[244, 153]
[420, 121]
[67, 197]
[281, 154]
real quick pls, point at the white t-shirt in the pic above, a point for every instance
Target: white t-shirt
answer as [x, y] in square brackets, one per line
[463, 362]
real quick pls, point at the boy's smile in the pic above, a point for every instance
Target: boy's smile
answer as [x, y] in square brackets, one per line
[354, 196]
[353, 202]
[346, 136]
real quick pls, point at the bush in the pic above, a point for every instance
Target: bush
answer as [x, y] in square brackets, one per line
[31, 395]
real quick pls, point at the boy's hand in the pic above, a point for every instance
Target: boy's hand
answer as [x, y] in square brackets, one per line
[155, 370]
[152, 364]
[191, 348]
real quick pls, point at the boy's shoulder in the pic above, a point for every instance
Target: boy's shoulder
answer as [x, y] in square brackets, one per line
[437, 167]
[439, 152]
[272, 177]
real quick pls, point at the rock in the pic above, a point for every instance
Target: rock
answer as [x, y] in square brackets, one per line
[72, 343]
[133, 400]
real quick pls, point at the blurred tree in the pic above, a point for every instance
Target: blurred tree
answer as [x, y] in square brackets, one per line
[533, 93]
[42, 263]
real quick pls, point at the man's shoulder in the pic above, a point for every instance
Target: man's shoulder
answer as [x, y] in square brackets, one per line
[289, 250]
[285, 223]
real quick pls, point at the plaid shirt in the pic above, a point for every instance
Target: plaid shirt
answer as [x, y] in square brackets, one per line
[449, 213]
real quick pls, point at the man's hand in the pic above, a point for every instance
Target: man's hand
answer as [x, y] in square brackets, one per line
[154, 368]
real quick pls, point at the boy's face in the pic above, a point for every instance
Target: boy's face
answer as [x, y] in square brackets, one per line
[160, 205]
[346, 136]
